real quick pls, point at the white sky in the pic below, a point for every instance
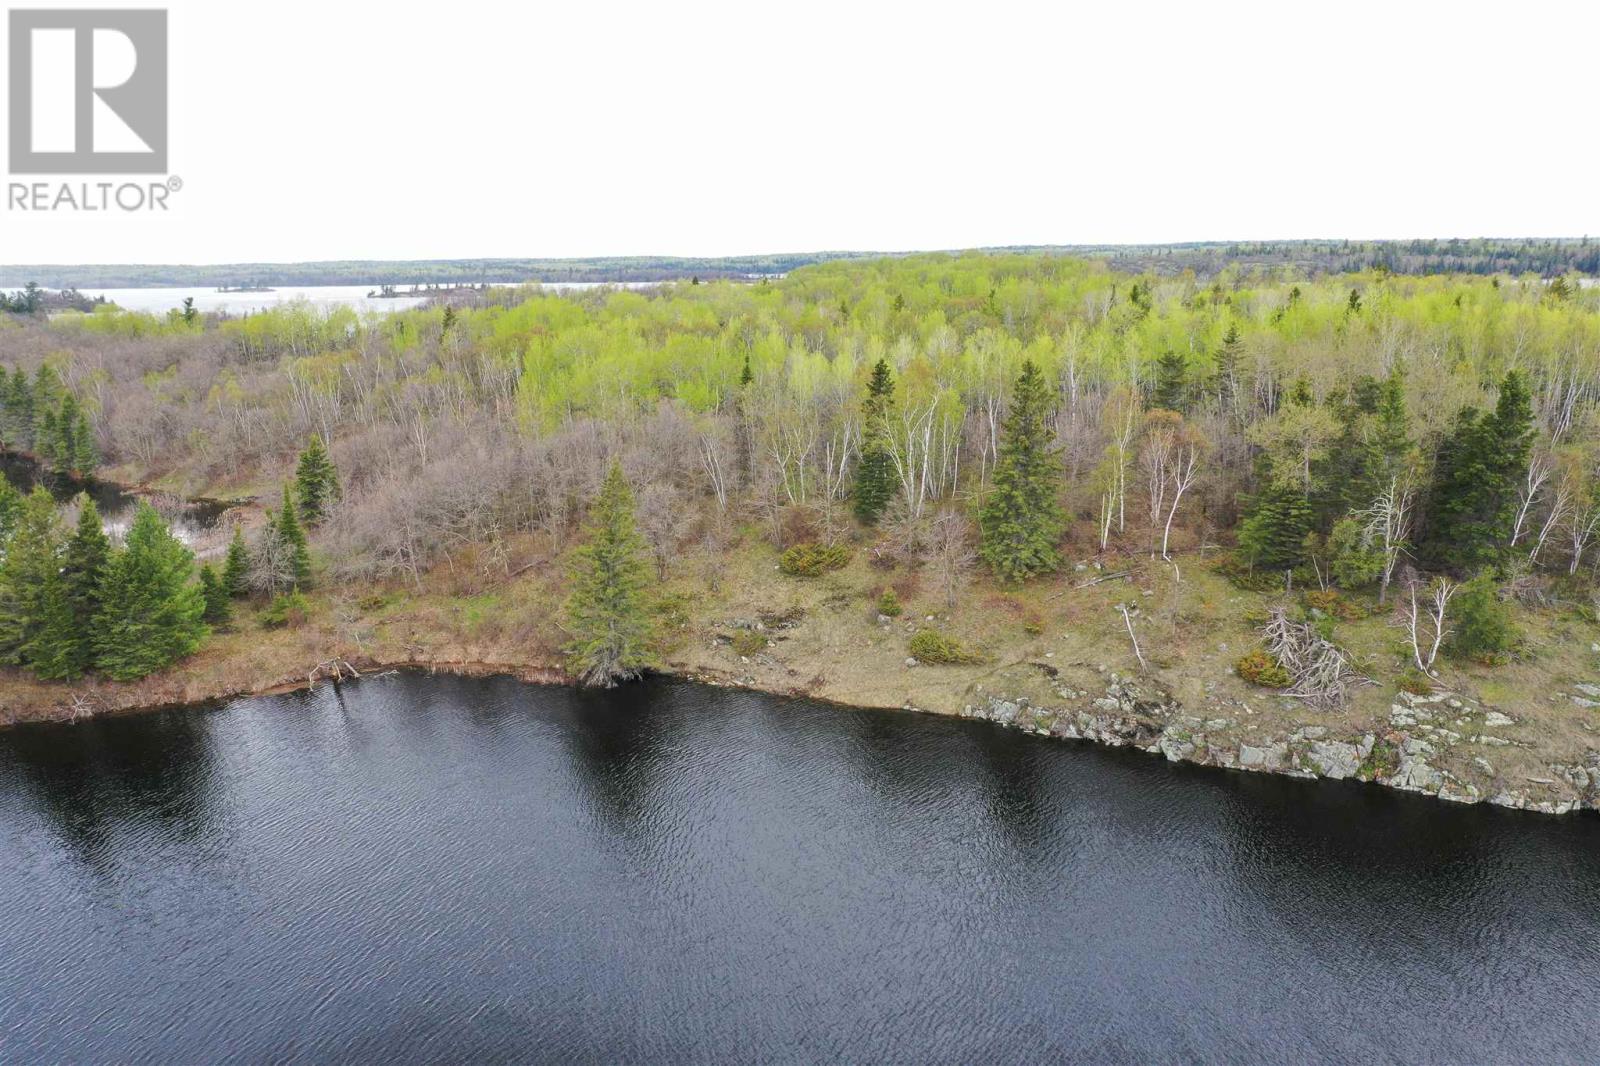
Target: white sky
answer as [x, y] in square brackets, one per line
[335, 130]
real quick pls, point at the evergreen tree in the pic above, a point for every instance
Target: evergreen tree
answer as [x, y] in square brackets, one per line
[83, 574]
[875, 472]
[1021, 520]
[218, 604]
[1393, 429]
[85, 455]
[1473, 502]
[1273, 533]
[151, 614]
[1483, 629]
[30, 579]
[236, 569]
[286, 527]
[10, 509]
[1171, 392]
[19, 411]
[607, 617]
[746, 376]
[1228, 357]
[316, 482]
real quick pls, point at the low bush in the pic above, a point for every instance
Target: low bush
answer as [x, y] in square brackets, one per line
[1240, 574]
[889, 603]
[1260, 668]
[748, 642]
[932, 646]
[287, 611]
[813, 560]
[1415, 682]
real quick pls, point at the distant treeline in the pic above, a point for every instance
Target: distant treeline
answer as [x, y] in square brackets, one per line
[1312, 258]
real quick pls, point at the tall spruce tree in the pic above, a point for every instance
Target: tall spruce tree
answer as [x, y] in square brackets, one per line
[10, 509]
[83, 574]
[286, 527]
[30, 580]
[1021, 520]
[1171, 392]
[607, 616]
[1473, 502]
[875, 472]
[1273, 533]
[151, 613]
[316, 482]
[1227, 378]
[236, 568]
[218, 604]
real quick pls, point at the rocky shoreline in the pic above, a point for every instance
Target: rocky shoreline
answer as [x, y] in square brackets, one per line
[1131, 714]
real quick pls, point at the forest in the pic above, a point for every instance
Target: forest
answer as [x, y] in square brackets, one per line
[1426, 444]
[1545, 257]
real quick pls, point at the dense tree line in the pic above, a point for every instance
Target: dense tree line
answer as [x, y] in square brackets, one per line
[1360, 429]
[74, 602]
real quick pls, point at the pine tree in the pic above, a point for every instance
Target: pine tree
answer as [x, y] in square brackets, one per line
[1021, 520]
[151, 614]
[236, 569]
[70, 429]
[1228, 357]
[19, 411]
[875, 472]
[30, 579]
[218, 604]
[10, 509]
[746, 376]
[286, 527]
[1171, 391]
[85, 455]
[1273, 533]
[1472, 505]
[607, 616]
[83, 574]
[316, 482]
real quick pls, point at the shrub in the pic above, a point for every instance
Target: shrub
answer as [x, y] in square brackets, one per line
[1354, 562]
[1483, 629]
[889, 603]
[748, 642]
[1033, 625]
[813, 560]
[1334, 604]
[1260, 668]
[932, 646]
[288, 610]
[1415, 682]
[1239, 572]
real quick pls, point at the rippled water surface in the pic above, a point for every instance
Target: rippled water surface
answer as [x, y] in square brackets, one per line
[433, 869]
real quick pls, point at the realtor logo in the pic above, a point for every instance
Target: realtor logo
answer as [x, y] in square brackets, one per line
[88, 92]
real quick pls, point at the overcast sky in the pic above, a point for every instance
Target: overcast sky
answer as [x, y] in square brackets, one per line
[334, 130]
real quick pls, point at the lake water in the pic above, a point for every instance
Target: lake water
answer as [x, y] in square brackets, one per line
[437, 869]
[192, 521]
[207, 298]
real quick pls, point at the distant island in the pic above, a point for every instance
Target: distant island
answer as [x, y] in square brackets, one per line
[1546, 257]
[245, 288]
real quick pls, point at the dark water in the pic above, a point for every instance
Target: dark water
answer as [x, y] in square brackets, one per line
[473, 871]
[189, 518]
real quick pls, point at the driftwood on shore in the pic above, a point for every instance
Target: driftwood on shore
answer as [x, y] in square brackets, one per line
[335, 669]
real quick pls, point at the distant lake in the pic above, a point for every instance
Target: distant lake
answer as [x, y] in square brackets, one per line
[206, 298]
